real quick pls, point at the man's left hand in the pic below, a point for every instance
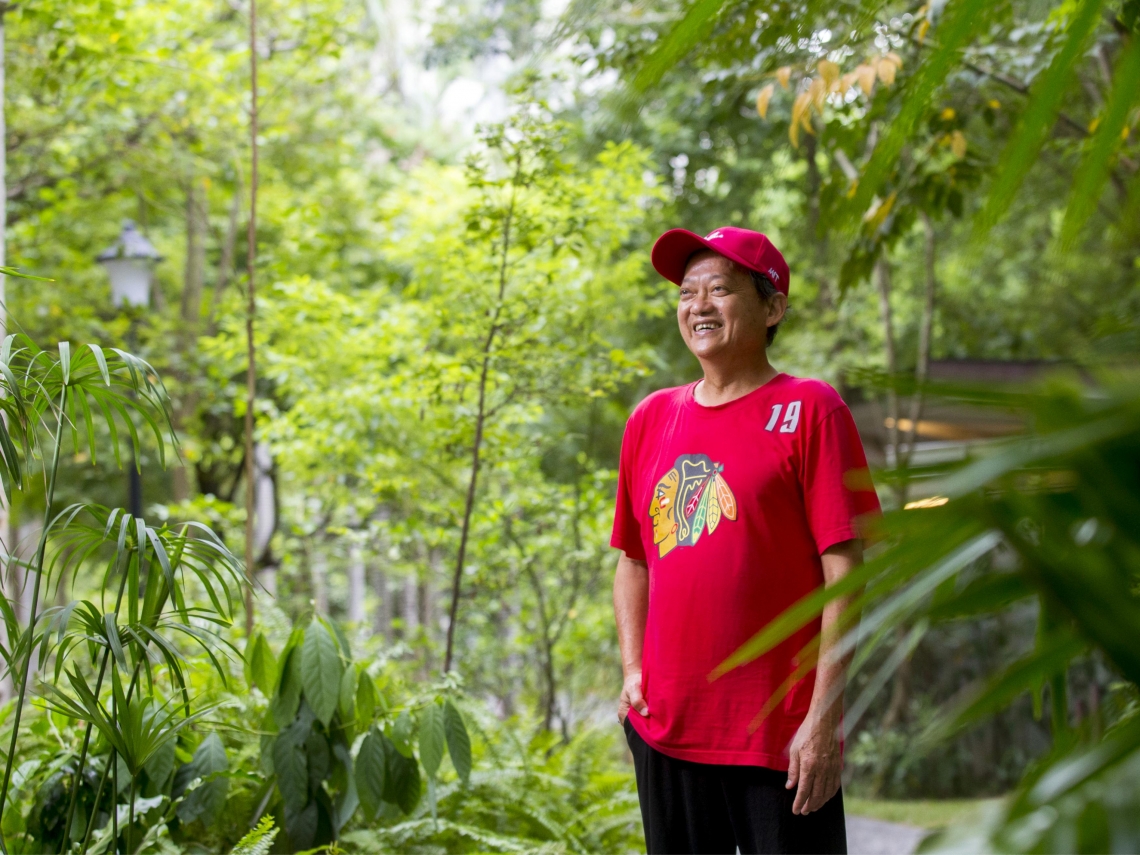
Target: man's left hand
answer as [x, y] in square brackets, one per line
[816, 764]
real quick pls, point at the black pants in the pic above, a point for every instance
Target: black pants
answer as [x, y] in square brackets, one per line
[698, 807]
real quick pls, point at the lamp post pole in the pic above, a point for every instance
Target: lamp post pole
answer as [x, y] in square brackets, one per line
[129, 263]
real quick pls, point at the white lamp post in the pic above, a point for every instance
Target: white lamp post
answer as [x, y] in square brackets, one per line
[130, 262]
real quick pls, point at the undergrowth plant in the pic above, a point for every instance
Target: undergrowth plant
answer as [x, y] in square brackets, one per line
[320, 702]
[103, 660]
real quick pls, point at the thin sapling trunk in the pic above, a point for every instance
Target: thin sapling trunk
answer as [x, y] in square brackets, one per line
[477, 442]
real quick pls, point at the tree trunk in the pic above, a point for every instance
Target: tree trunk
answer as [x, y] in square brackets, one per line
[356, 584]
[477, 442]
[5, 522]
[319, 572]
[411, 609]
[251, 308]
[382, 615]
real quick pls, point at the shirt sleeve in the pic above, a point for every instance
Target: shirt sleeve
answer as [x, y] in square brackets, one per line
[837, 487]
[626, 534]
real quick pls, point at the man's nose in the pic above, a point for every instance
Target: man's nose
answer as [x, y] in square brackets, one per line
[702, 302]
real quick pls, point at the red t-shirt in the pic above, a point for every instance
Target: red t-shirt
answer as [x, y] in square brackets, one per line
[731, 507]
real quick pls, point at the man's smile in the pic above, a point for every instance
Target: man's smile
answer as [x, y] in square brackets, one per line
[707, 326]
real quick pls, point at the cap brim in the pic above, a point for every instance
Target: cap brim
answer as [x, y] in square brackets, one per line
[673, 250]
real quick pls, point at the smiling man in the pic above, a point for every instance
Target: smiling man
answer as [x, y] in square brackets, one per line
[738, 494]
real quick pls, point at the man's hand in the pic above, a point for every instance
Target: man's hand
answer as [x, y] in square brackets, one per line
[631, 697]
[631, 605]
[816, 764]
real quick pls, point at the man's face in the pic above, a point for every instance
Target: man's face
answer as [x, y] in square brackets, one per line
[662, 511]
[719, 311]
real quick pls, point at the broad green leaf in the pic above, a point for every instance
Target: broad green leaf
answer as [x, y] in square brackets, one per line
[402, 784]
[205, 801]
[400, 733]
[288, 698]
[302, 824]
[365, 700]
[290, 766]
[458, 742]
[432, 739]
[320, 671]
[370, 773]
[261, 667]
[347, 695]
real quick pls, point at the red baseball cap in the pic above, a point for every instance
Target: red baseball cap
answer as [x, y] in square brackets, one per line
[749, 249]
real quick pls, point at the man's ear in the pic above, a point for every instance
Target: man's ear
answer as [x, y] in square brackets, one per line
[777, 308]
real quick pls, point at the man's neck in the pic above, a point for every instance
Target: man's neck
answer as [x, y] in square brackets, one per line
[727, 382]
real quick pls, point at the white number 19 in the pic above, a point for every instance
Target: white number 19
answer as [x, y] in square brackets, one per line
[791, 417]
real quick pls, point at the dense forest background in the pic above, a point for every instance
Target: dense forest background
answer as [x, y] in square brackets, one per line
[456, 313]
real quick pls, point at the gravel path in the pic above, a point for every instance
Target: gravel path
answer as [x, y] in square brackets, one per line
[875, 837]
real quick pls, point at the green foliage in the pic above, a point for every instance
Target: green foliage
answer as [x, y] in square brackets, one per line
[1061, 500]
[533, 796]
[259, 840]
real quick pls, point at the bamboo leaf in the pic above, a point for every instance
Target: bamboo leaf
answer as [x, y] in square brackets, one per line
[1050, 657]
[1093, 171]
[65, 361]
[1020, 152]
[112, 635]
[101, 360]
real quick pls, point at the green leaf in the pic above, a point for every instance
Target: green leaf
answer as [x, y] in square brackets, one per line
[288, 697]
[458, 742]
[261, 668]
[990, 593]
[1020, 153]
[290, 765]
[679, 41]
[347, 695]
[258, 840]
[365, 700]
[432, 740]
[402, 784]
[65, 361]
[320, 671]
[205, 801]
[1093, 171]
[960, 21]
[400, 733]
[1051, 657]
[370, 773]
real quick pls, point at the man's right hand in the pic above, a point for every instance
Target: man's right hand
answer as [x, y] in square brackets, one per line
[631, 697]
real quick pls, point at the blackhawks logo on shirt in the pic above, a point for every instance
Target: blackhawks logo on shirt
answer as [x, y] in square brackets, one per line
[688, 498]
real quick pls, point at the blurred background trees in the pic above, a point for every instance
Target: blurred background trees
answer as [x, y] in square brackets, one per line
[457, 311]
